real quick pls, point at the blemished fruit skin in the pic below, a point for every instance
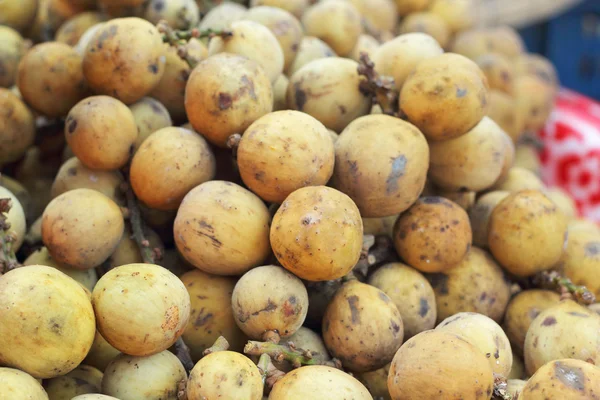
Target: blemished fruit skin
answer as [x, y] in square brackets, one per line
[16, 384]
[563, 379]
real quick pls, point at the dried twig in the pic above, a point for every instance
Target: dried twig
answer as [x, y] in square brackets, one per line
[381, 88]
[8, 260]
[552, 280]
[376, 250]
[501, 389]
[288, 352]
[221, 344]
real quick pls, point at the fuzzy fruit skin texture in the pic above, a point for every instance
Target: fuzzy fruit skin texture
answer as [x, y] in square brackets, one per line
[381, 162]
[17, 127]
[581, 261]
[527, 233]
[563, 379]
[434, 235]
[462, 370]
[317, 233]
[15, 384]
[233, 224]
[81, 228]
[48, 322]
[152, 377]
[317, 382]
[284, 151]
[269, 298]
[211, 313]
[485, 334]
[566, 330]
[477, 284]
[141, 309]
[171, 162]
[225, 374]
[137, 59]
[412, 294]
[362, 327]
[522, 310]
[101, 131]
[225, 94]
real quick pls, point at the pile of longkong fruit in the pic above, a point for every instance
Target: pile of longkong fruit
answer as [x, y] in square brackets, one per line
[286, 199]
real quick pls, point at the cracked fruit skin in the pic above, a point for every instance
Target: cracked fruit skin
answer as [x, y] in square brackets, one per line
[141, 309]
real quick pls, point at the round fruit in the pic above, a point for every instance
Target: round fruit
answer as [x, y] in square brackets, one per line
[429, 23]
[445, 96]
[534, 102]
[82, 380]
[563, 379]
[477, 284]
[537, 66]
[312, 382]
[526, 233]
[12, 48]
[136, 61]
[222, 16]
[71, 31]
[459, 367]
[93, 397]
[527, 156]
[102, 132]
[458, 14]
[296, 7]
[179, 14]
[17, 127]
[18, 15]
[380, 226]
[285, 151]
[81, 228]
[518, 179]
[269, 299]
[381, 163]
[222, 228]
[305, 339]
[311, 48]
[141, 309]
[365, 44]
[225, 374]
[408, 7]
[15, 218]
[150, 115]
[128, 251]
[581, 260]
[47, 321]
[503, 111]
[480, 214]
[434, 235]
[376, 382]
[101, 353]
[362, 327]
[499, 71]
[15, 384]
[225, 94]
[329, 90]
[317, 233]
[154, 377]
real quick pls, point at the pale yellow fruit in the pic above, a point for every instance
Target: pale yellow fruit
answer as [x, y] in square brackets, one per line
[15, 384]
[15, 217]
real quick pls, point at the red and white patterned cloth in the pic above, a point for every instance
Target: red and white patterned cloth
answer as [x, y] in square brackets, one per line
[571, 155]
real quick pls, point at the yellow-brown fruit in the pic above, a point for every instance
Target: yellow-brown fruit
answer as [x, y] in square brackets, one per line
[428, 23]
[534, 102]
[515, 387]
[102, 132]
[408, 7]
[137, 59]
[565, 330]
[563, 379]
[101, 353]
[121, 302]
[365, 44]
[458, 14]
[317, 233]
[18, 14]
[21, 193]
[93, 397]
[434, 235]
[336, 22]
[15, 384]
[82, 380]
[150, 115]
[287, 29]
[506, 40]
[252, 41]
[362, 327]
[329, 90]
[480, 214]
[563, 201]
[539, 67]
[503, 111]
[376, 382]
[519, 178]
[526, 156]
[225, 374]
[522, 310]
[498, 70]
[87, 36]
[128, 251]
[269, 299]
[399, 57]
[472, 161]
[411, 293]
[582, 224]
[179, 14]
[485, 334]
[581, 260]
[47, 321]
[380, 16]
[222, 228]
[211, 313]
[221, 16]
[379, 226]
[316, 381]
[518, 368]
[445, 96]
[17, 127]
[170, 163]
[15, 217]
[460, 369]
[477, 284]
[466, 200]
[381, 163]
[311, 48]
[279, 93]
[296, 7]
[74, 175]
[87, 278]
[225, 94]
[12, 48]
[157, 376]
[284, 151]
[73, 29]
[526, 233]
[81, 228]
[305, 339]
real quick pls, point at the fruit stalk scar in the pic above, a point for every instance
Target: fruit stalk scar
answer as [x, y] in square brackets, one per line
[8, 260]
[288, 352]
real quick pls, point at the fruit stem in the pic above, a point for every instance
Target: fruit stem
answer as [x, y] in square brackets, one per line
[221, 344]
[8, 260]
[552, 280]
[182, 351]
[501, 389]
[270, 374]
[137, 226]
[233, 142]
[376, 250]
[288, 352]
[381, 88]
